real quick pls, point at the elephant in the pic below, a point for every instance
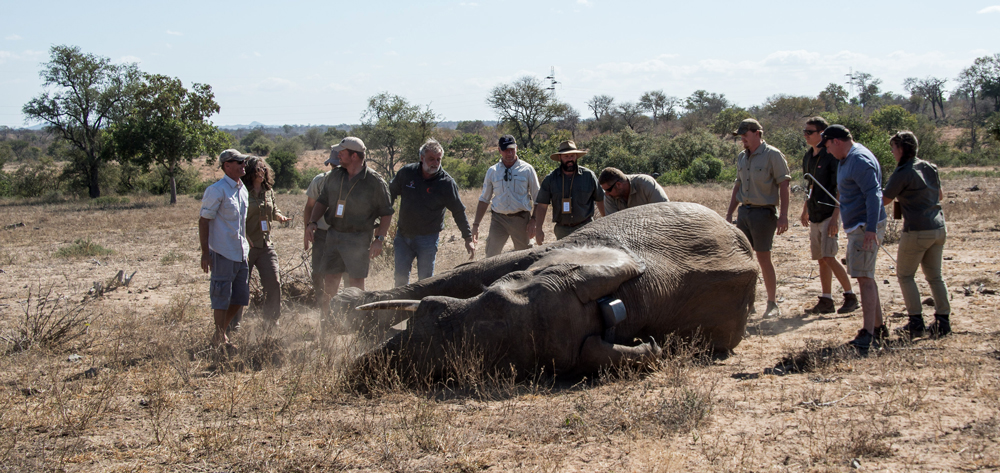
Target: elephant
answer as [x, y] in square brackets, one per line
[675, 268]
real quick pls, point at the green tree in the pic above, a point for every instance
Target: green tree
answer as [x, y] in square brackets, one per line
[834, 97]
[88, 94]
[393, 129]
[893, 118]
[868, 89]
[728, 120]
[659, 104]
[168, 125]
[525, 106]
[631, 114]
[314, 138]
[931, 89]
[601, 105]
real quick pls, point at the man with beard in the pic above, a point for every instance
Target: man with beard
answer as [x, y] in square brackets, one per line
[572, 191]
[761, 185]
[425, 191]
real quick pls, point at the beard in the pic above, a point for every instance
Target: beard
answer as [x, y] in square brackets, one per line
[430, 170]
[568, 166]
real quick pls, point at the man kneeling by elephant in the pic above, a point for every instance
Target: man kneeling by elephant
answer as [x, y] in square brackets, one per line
[598, 298]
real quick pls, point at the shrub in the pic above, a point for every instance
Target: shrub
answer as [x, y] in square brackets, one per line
[83, 248]
[285, 175]
[35, 179]
[48, 321]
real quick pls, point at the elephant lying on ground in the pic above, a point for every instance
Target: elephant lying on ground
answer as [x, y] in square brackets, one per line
[675, 267]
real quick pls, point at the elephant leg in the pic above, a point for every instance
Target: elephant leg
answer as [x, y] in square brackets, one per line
[597, 353]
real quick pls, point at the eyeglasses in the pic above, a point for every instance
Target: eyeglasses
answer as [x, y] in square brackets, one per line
[809, 132]
[507, 174]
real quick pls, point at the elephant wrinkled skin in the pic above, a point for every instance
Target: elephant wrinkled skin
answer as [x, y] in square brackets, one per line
[677, 267]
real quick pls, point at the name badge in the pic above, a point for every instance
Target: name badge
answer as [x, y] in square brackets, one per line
[567, 206]
[263, 225]
[340, 209]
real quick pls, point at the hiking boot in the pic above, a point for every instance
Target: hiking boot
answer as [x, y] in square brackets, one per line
[850, 303]
[824, 306]
[913, 329]
[940, 327]
[882, 332]
[864, 340]
[772, 310]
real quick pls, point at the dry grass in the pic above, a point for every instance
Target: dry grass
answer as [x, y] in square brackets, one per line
[145, 392]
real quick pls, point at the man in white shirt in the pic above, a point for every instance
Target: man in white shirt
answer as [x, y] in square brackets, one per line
[509, 191]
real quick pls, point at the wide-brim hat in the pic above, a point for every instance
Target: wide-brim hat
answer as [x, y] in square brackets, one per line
[567, 147]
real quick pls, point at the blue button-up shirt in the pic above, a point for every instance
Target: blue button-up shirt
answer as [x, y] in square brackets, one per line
[859, 181]
[225, 206]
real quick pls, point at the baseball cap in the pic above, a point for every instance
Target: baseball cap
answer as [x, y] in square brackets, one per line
[506, 141]
[231, 155]
[834, 132]
[350, 143]
[747, 125]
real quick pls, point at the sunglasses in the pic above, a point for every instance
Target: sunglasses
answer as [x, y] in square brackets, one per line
[507, 176]
[612, 186]
[810, 132]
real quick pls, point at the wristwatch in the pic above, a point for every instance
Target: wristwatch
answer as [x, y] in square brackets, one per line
[380, 237]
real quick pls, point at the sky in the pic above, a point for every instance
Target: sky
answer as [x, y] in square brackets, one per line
[317, 63]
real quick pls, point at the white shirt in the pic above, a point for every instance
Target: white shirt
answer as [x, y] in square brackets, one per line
[225, 205]
[511, 190]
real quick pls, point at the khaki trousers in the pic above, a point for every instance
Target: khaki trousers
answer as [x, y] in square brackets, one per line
[514, 226]
[923, 248]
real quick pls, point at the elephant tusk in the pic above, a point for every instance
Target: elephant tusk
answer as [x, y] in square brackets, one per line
[398, 304]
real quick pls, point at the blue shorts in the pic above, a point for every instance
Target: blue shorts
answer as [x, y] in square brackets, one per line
[230, 282]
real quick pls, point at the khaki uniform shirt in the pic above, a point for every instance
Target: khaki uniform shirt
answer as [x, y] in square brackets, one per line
[366, 198]
[581, 187]
[643, 190]
[313, 191]
[759, 175]
[510, 191]
[261, 208]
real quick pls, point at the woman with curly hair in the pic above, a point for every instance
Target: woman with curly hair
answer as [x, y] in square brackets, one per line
[261, 212]
[916, 186]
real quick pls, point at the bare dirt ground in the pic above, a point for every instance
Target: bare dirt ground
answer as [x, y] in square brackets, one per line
[140, 390]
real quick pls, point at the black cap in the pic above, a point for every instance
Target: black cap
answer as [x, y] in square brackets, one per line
[838, 132]
[506, 141]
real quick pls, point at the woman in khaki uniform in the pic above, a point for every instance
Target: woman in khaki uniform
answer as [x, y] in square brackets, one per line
[261, 213]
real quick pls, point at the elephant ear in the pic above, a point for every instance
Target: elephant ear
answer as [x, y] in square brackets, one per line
[591, 272]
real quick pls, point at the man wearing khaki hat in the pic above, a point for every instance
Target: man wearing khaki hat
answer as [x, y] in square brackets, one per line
[353, 198]
[572, 191]
[761, 185]
[222, 232]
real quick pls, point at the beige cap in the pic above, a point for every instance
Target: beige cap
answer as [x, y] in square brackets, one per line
[350, 143]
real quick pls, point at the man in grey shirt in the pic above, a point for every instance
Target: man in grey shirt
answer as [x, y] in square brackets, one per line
[623, 191]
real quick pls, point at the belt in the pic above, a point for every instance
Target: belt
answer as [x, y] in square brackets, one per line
[749, 206]
[515, 214]
[591, 219]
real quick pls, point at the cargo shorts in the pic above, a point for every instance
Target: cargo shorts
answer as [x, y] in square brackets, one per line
[861, 262]
[230, 282]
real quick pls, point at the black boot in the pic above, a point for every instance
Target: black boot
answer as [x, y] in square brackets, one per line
[850, 303]
[914, 328]
[940, 327]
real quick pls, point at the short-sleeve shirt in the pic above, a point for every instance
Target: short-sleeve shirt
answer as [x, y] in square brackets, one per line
[313, 191]
[917, 187]
[510, 190]
[581, 187]
[260, 208]
[760, 173]
[822, 166]
[643, 190]
[225, 206]
[366, 198]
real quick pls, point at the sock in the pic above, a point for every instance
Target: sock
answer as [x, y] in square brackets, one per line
[827, 295]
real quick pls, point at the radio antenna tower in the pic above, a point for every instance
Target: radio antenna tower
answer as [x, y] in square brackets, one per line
[850, 80]
[552, 80]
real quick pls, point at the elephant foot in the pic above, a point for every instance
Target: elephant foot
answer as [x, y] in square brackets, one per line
[597, 354]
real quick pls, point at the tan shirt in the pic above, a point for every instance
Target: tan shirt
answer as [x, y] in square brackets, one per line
[643, 190]
[759, 175]
[313, 191]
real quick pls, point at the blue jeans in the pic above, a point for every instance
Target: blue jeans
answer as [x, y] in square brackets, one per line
[422, 247]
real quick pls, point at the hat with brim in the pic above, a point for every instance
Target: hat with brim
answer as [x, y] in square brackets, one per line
[834, 132]
[747, 125]
[351, 143]
[232, 155]
[567, 147]
[334, 159]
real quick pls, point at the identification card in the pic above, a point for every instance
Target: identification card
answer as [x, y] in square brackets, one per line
[340, 209]
[567, 206]
[263, 225]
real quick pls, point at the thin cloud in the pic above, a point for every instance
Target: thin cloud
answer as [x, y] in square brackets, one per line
[13, 37]
[990, 9]
[174, 33]
[273, 84]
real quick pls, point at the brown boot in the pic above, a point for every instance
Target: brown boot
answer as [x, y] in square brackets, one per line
[824, 306]
[850, 303]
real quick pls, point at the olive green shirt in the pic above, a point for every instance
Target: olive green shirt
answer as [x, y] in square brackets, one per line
[643, 190]
[759, 175]
[581, 188]
[366, 198]
[261, 208]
